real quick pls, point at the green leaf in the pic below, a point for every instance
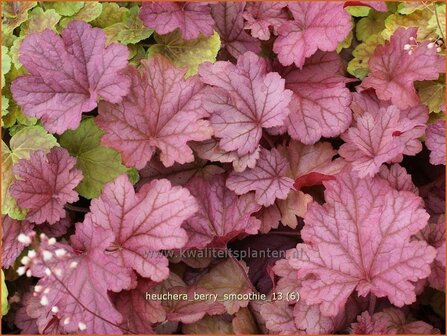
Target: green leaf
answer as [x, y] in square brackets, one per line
[358, 11]
[358, 66]
[65, 8]
[432, 94]
[88, 13]
[12, 113]
[5, 304]
[130, 30]
[111, 13]
[133, 175]
[5, 105]
[410, 7]
[99, 164]
[14, 13]
[22, 144]
[39, 20]
[346, 43]
[189, 53]
[437, 21]
[418, 19]
[6, 63]
[373, 24]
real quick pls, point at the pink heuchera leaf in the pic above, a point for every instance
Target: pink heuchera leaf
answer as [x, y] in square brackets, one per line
[308, 166]
[244, 99]
[76, 279]
[278, 316]
[436, 142]
[191, 18]
[143, 223]
[45, 184]
[68, 74]
[372, 141]
[229, 24]
[210, 150]
[320, 101]
[268, 179]
[138, 313]
[412, 123]
[22, 320]
[369, 325]
[11, 247]
[390, 321]
[434, 234]
[360, 240]
[398, 178]
[316, 26]
[312, 163]
[260, 16]
[393, 70]
[383, 136]
[163, 110]
[310, 320]
[222, 215]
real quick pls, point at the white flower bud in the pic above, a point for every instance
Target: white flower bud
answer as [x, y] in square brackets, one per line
[44, 301]
[24, 239]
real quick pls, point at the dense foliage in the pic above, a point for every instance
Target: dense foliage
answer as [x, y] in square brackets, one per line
[223, 167]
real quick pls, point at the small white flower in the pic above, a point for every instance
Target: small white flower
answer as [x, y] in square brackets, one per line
[66, 320]
[73, 264]
[21, 270]
[28, 273]
[51, 241]
[407, 47]
[60, 252]
[430, 45]
[82, 326]
[47, 271]
[24, 239]
[410, 52]
[58, 272]
[438, 49]
[46, 291]
[412, 38]
[25, 260]
[55, 309]
[47, 255]
[44, 301]
[38, 288]
[31, 254]
[43, 236]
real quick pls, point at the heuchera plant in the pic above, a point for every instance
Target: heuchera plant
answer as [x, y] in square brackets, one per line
[227, 167]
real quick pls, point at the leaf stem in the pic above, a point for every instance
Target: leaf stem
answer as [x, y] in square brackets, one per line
[437, 21]
[372, 304]
[75, 208]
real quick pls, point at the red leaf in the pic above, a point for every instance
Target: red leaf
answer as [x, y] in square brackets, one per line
[316, 26]
[68, 74]
[230, 27]
[393, 69]
[244, 99]
[360, 239]
[162, 111]
[143, 223]
[320, 101]
[45, 183]
[222, 214]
